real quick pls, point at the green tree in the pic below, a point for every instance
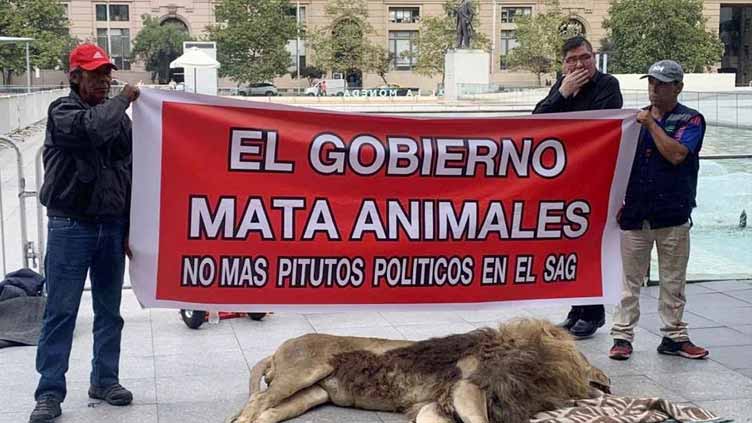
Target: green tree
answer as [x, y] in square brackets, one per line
[42, 20]
[438, 34]
[310, 73]
[380, 61]
[540, 38]
[157, 45]
[343, 45]
[251, 36]
[642, 32]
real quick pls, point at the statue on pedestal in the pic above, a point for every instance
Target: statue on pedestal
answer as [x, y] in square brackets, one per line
[464, 13]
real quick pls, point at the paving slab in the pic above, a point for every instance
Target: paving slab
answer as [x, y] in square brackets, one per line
[734, 357]
[183, 375]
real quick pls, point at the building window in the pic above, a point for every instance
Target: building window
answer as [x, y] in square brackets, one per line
[300, 50]
[175, 22]
[510, 14]
[507, 43]
[403, 47]
[404, 14]
[291, 13]
[66, 10]
[120, 39]
[572, 27]
[118, 13]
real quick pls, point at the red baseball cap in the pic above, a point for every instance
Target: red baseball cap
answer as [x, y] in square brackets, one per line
[89, 57]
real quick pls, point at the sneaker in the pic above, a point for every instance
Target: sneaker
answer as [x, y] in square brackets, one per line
[621, 350]
[685, 349]
[46, 410]
[114, 394]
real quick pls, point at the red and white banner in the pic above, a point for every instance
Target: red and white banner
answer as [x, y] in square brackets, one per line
[246, 206]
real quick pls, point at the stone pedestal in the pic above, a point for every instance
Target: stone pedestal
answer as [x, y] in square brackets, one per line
[465, 66]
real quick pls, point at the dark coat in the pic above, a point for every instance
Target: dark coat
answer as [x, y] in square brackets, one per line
[87, 159]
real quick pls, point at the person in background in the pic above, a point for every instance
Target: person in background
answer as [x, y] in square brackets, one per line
[86, 189]
[657, 210]
[581, 87]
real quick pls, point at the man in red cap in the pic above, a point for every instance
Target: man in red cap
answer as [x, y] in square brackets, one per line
[86, 189]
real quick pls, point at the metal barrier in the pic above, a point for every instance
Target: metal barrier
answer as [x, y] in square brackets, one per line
[23, 89]
[30, 252]
[41, 233]
[2, 227]
[732, 109]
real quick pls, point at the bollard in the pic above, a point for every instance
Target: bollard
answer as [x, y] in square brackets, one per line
[743, 219]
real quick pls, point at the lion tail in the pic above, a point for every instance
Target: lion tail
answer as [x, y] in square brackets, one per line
[257, 372]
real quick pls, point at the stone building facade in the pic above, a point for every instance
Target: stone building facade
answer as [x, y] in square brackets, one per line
[396, 24]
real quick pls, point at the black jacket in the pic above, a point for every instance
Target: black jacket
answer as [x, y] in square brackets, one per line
[87, 159]
[601, 92]
[21, 283]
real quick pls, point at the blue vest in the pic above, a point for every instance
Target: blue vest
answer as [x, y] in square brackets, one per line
[658, 191]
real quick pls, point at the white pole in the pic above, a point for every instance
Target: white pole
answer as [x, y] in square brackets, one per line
[28, 70]
[494, 36]
[109, 40]
[297, 40]
[605, 63]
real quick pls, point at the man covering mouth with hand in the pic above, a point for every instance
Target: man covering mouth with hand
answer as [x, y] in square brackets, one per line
[582, 87]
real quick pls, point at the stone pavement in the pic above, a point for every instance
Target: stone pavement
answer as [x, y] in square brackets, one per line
[183, 375]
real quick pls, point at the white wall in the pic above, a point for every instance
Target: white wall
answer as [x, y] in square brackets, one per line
[21, 110]
[692, 81]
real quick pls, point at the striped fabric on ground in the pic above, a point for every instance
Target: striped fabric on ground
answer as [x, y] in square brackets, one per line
[614, 409]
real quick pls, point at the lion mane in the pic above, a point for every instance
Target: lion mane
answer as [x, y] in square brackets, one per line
[503, 375]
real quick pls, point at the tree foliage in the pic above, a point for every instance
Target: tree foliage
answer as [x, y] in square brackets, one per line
[157, 45]
[381, 62]
[642, 32]
[438, 34]
[310, 73]
[42, 20]
[251, 37]
[540, 38]
[343, 44]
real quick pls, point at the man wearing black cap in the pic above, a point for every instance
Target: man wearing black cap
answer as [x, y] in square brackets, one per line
[582, 87]
[86, 189]
[657, 210]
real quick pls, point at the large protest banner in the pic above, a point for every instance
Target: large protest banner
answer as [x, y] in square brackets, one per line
[250, 206]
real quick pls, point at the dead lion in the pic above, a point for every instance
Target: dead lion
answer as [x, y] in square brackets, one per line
[487, 375]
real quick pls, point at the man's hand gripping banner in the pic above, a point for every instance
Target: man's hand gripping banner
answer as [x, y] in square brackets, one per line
[246, 206]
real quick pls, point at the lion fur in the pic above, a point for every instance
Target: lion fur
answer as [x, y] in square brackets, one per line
[521, 368]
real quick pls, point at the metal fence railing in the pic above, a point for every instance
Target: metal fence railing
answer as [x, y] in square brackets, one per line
[23, 89]
[728, 109]
[31, 252]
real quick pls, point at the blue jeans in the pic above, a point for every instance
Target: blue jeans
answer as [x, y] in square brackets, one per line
[75, 247]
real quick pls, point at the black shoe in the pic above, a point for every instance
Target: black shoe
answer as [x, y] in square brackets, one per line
[572, 317]
[586, 328]
[46, 410]
[114, 394]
